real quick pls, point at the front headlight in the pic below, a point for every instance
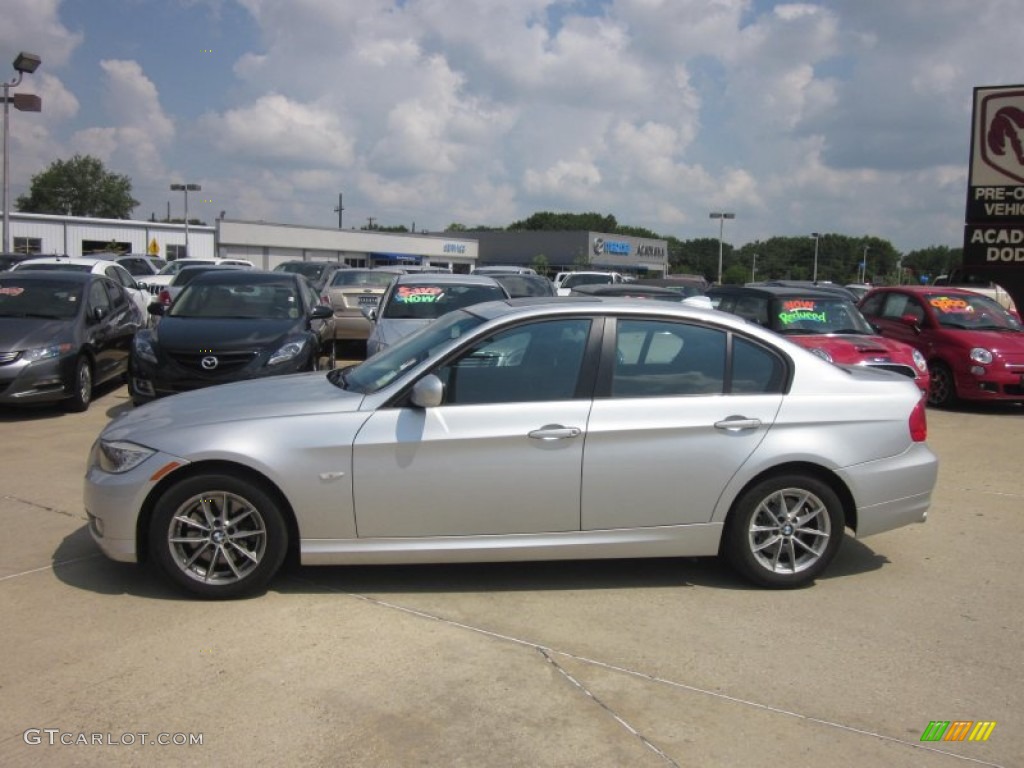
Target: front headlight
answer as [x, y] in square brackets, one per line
[981, 355]
[919, 361]
[45, 353]
[143, 348]
[118, 456]
[289, 351]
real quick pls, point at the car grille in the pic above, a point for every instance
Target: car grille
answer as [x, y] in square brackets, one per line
[8, 357]
[902, 370]
[227, 362]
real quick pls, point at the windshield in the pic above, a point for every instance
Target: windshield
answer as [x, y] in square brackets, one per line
[971, 312]
[384, 367]
[428, 301]
[52, 299]
[582, 278]
[176, 266]
[818, 316]
[306, 269]
[241, 301]
[363, 277]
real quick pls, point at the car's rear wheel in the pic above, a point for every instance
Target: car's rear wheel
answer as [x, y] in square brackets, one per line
[784, 531]
[942, 393]
[218, 536]
[81, 394]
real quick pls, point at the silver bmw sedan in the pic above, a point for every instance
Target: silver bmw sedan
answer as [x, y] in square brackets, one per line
[529, 429]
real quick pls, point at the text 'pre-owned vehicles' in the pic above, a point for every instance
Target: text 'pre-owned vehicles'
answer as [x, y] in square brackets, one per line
[528, 429]
[412, 301]
[825, 321]
[974, 346]
[228, 325]
[62, 333]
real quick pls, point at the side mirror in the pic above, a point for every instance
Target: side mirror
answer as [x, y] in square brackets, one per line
[99, 313]
[370, 313]
[428, 392]
[156, 308]
[321, 312]
[911, 321]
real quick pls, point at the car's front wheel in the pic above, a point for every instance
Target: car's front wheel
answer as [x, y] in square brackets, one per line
[218, 536]
[81, 394]
[784, 531]
[942, 393]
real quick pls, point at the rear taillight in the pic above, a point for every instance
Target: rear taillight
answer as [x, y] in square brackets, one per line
[919, 422]
[164, 298]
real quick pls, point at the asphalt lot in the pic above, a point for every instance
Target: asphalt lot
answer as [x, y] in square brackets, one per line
[624, 663]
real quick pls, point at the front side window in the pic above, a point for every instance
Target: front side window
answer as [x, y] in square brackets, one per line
[538, 361]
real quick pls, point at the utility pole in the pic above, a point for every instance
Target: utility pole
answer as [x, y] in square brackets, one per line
[338, 210]
[370, 221]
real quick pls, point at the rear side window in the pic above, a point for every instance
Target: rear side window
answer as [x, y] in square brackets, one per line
[755, 369]
[663, 359]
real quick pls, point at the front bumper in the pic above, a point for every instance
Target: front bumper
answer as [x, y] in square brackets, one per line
[113, 503]
[43, 381]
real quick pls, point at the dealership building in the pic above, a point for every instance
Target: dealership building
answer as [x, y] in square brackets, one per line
[268, 244]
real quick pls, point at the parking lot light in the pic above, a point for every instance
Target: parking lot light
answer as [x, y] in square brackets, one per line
[25, 63]
[186, 188]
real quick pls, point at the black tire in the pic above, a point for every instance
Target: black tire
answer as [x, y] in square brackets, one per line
[82, 387]
[784, 531]
[239, 532]
[942, 392]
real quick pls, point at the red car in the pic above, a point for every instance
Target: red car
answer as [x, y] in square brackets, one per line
[825, 321]
[974, 347]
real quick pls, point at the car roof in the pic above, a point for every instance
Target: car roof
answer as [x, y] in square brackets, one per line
[928, 289]
[88, 260]
[245, 277]
[28, 274]
[444, 278]
[627, 289]
[779, 292]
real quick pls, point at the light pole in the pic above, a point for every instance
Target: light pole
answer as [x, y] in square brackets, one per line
[815, 235]
[753, 270]
[864, 265]
[186, 188]
[721, 229]
[25, 63]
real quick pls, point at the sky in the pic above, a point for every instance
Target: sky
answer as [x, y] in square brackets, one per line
[832, 116]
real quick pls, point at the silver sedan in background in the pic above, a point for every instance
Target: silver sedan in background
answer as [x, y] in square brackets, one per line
[531, 429]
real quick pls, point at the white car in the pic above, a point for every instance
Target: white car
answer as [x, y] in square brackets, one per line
[113, 270]
[163, 278]
[576, 279]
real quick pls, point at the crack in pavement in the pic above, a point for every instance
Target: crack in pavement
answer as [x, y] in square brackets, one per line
[37, 505]
[547, 652]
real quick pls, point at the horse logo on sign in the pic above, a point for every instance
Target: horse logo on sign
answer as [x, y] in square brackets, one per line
[1002, 141]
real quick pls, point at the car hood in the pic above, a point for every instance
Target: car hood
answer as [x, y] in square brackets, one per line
[30, 332]
[856, 347]
[190, 333]
[277, 397]
[389, 331]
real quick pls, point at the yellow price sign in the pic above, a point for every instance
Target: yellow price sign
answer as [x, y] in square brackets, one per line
[154, 249]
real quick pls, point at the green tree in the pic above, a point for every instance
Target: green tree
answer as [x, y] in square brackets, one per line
[541, 264]
[81, 186]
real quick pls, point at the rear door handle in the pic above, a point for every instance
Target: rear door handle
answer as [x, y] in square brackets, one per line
[737, 423]
[555, 432]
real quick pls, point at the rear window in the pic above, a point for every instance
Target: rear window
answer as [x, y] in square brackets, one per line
[430, 301]
[57, 299]
[364, 278]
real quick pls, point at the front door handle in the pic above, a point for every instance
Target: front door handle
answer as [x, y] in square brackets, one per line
[737, 423]
[555, 432]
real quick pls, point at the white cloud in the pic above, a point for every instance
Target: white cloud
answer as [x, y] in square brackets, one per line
[279, 128]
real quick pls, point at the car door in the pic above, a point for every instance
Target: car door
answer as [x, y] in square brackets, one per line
[672, 424]
[501, 455]
[901, 316]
